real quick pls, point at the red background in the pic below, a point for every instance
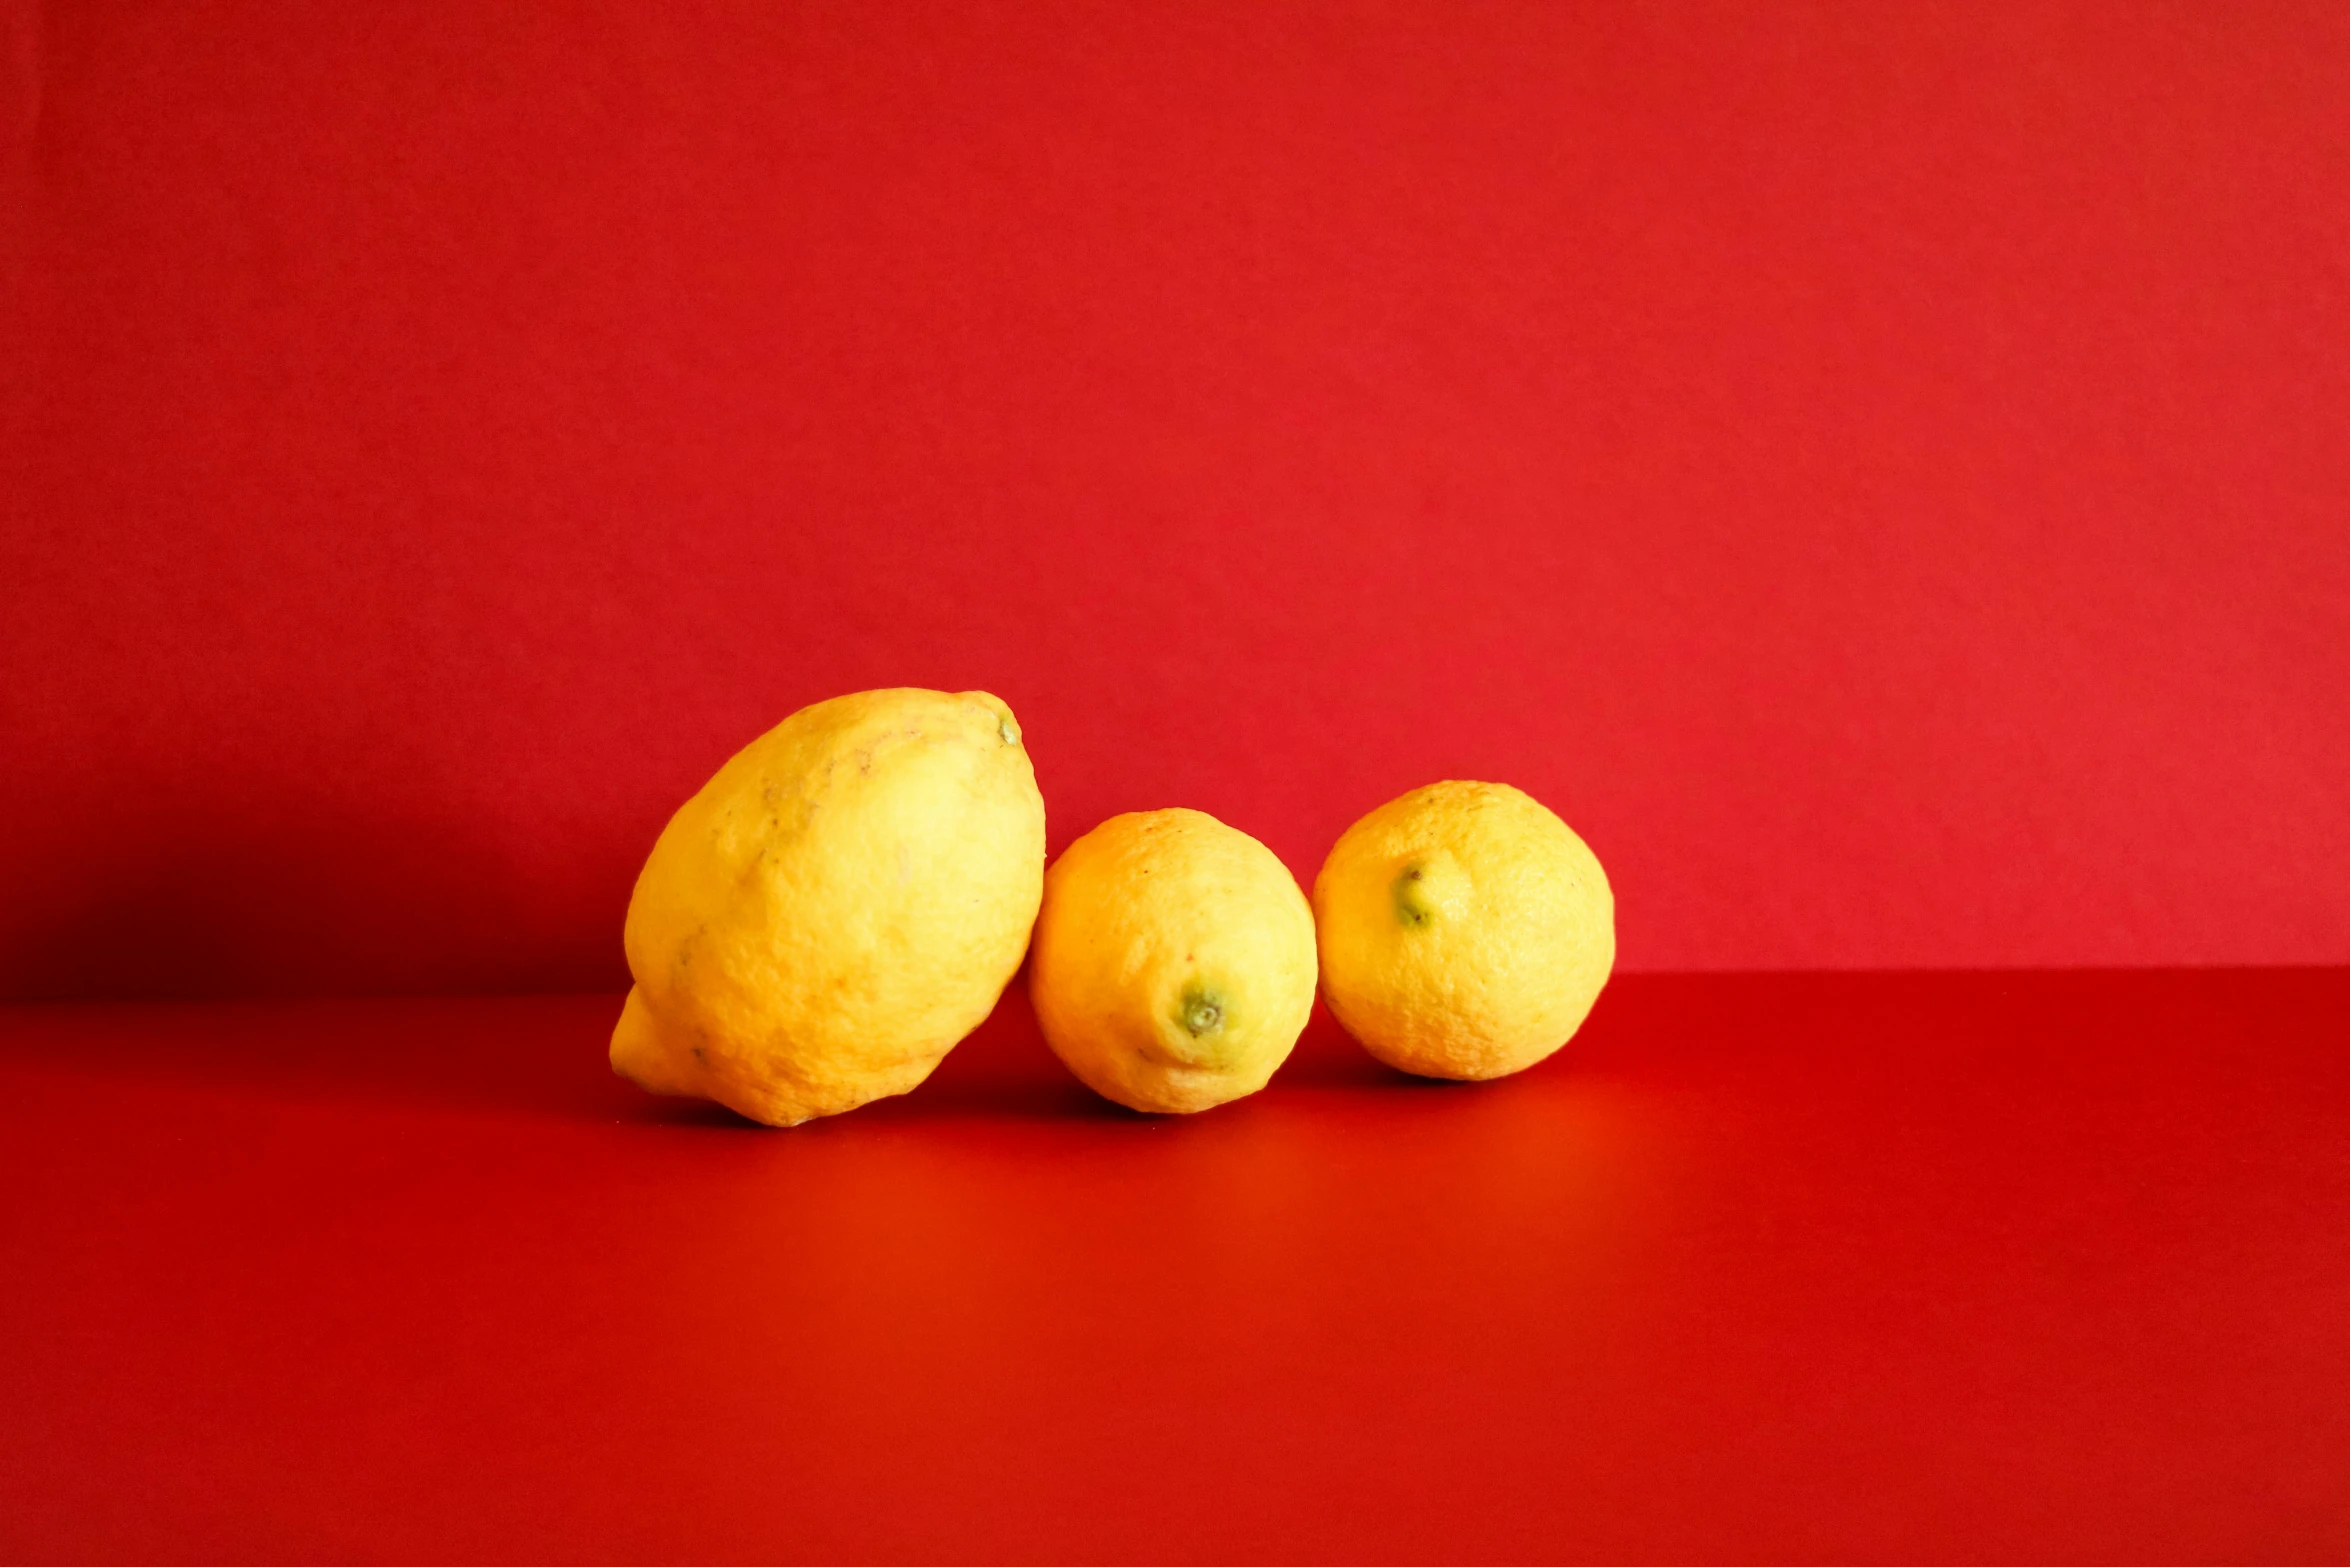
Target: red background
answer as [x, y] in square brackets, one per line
[1879, 472]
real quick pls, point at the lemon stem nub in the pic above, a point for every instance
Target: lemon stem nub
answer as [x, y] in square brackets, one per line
[1409, 909]
[1202, 1013]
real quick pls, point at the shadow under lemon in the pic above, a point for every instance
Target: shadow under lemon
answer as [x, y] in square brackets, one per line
[543, 1056]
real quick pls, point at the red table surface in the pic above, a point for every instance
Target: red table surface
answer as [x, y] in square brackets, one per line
[1828, 1268]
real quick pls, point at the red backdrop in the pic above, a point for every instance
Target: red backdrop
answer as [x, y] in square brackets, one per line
[1882, 477]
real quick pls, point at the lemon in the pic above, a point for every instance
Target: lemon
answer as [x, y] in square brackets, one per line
[1174, 961]
[835, 909]
[1465, 931]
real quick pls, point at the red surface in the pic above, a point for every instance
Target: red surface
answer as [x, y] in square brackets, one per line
[1878, 471]
[1818, 1269]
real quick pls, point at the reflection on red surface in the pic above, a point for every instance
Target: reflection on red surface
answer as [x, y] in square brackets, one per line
[1829, 1268]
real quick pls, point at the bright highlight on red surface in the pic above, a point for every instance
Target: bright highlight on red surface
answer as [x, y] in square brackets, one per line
[1878, 473]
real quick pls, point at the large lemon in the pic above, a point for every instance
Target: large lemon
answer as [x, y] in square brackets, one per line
[843, 902]
[1174, 962]
[1465, 931]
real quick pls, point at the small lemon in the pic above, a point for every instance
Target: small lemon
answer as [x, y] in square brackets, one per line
[835, 909]
[1174, 961]
[1465, 931]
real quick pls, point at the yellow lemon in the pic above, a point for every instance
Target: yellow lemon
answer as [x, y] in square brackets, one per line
[1174, 961]
[834, 910]
[1465, 931]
